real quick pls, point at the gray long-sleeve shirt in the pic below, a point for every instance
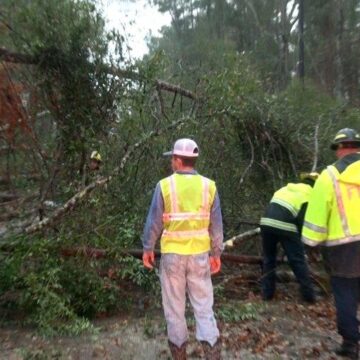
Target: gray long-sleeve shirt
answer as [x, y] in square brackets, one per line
[154, 222]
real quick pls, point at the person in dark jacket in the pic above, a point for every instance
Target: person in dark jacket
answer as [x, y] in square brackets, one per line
[282, 224]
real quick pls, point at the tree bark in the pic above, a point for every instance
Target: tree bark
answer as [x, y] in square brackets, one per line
[17, 58]
[137, 253]
[301, 69]
[243, 236]
[13, 57]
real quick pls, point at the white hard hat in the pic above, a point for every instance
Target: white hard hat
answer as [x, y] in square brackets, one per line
[184, 147]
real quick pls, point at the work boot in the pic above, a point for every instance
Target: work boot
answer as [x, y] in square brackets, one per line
[178, 353]
[212, 352]
[349, 349]
[308, 294]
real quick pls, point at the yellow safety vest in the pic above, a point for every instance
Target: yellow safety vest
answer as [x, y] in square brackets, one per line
[188, 199]
[292, 197]
[333, 213]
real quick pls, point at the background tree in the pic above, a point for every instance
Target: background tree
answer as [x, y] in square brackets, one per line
[332, 48]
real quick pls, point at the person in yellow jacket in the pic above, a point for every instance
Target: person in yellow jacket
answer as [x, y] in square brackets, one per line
[282, 224]
[185, 213]
[333, 221]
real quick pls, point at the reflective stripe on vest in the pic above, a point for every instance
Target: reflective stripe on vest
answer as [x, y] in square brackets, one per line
[278, 224]
[186, 234]
[173, 196]
[176, 215]
[314, 227]
[185, 216]
[286, 205]
[340, 203]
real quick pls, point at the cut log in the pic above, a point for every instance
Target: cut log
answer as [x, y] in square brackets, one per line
[101, 253]
[243, 236]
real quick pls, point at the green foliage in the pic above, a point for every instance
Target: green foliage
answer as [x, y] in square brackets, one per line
[256, 136]
[127, 232]
[92, 294]
[149, 330]
[38, 354]
[153, 327]
[59, 295]
[133, 270]
[239, 312]
[49, 308]
[350, 118]
[242, 130]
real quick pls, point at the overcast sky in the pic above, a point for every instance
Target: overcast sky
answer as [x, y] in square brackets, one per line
[135, 19]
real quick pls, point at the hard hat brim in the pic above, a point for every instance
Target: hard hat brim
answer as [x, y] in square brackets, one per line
[334, 145]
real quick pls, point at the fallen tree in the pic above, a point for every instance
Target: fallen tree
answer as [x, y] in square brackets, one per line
[25, 59]
[238, 238]
[95, 253]
[79, 196]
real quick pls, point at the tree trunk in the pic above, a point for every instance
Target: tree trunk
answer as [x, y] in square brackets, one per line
[284, 47]
[301, 67]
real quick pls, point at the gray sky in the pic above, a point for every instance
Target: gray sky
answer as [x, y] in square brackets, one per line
[134, 19]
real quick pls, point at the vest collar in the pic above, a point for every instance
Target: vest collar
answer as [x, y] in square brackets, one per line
[191, 172]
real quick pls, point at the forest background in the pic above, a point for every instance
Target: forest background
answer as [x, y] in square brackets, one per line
[261, 85]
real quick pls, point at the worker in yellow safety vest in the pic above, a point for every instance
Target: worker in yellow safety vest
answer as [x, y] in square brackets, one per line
[185, 213]
[281, 224]
[333, 221]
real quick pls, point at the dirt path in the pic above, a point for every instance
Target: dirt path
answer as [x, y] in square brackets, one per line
[281, 329]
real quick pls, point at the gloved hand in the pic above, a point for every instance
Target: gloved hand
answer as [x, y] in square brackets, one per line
[148, 259]
[215, 264]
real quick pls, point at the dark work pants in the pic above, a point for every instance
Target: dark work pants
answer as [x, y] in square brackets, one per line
[346, 293]
[294, 250]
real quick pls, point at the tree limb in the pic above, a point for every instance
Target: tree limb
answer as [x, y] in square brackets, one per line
[175, 89]
[99, 182]
[137, 253]
[316, 147]
[18, 58]
[243, 236]
[251, 160]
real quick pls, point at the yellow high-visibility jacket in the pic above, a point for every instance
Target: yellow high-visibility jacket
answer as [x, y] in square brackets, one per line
[282, 214]
[333, 216]
[187, 204]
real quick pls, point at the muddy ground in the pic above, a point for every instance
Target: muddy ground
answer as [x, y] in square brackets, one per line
[285, 328]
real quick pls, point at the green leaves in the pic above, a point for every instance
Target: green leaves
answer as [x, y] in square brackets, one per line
[238, 312]
[133, 270]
